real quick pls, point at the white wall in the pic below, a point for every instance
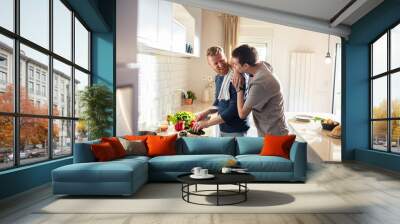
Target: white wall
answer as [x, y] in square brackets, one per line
[283, 41]
[211, 35]
[127, 76]
[160, 80]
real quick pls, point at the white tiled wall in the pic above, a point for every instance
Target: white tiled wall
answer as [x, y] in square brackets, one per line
[160, 79]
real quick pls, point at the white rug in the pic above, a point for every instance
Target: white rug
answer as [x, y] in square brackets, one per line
[166, 198]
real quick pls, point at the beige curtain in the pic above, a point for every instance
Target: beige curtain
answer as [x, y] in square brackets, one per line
[230, 33]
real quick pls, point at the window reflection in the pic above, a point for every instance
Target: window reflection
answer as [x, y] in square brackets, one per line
[33, 140]
[62, 138]
[34, 21]
[81, 45]
[62, 29]
[395, 47]
[379, 133]
[379, 98]
[34, 91]
[379, 57]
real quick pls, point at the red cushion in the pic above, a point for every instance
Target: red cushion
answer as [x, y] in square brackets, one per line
[103, 152]
[277, 145]
[135, 137]
[116, 145]
[161, 145]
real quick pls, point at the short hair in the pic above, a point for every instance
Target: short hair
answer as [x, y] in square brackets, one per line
[212, 51]
[245, 55]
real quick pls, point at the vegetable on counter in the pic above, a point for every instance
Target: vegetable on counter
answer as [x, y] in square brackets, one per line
[184, 121]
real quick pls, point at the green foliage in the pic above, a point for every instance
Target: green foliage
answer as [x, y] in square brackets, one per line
[188, 117]
[191, 95]
[97, 103]
[380, 127]
[318, 118]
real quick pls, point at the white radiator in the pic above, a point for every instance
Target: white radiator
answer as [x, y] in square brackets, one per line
[301, 83]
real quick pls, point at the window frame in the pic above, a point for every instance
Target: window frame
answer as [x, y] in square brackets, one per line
[16, 114]
[388, 74]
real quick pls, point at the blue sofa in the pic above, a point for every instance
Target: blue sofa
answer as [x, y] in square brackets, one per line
[125, 176]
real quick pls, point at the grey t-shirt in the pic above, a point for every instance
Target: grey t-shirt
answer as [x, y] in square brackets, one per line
[266, 101]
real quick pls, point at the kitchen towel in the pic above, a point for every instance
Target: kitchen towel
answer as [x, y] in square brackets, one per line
[224, 91]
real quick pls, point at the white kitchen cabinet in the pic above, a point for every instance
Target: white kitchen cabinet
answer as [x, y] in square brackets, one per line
[164, 24]
[178, 37]
[165, 28]
[148, 21]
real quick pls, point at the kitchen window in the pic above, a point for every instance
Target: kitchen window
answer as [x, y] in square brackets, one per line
[384, 91]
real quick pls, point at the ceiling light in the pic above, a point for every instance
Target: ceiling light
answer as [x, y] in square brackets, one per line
[328, 58]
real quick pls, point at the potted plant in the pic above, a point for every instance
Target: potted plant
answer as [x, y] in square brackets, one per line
[189, 97]
[96, 102]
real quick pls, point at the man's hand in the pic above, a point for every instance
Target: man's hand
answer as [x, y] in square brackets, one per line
[238, 81]
[199, 125]
[200, 116]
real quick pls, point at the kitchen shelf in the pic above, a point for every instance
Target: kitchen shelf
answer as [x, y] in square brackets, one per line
[148, 49]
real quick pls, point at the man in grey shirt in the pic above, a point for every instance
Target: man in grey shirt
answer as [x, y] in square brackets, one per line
[264, 98]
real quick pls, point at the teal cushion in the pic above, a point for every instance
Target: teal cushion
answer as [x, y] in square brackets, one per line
[206, 145]
[133, 157]
[83, 152]
[111, 171]
[249, 145]
[257, 163]
[185, 163]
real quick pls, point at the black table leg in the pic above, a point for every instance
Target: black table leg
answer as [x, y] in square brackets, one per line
[182, 190]
[245, 193]
[188, 190]
[217, 194]
[220, 193]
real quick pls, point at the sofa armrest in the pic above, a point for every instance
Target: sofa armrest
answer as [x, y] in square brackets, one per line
[83, 152]
[298, 155]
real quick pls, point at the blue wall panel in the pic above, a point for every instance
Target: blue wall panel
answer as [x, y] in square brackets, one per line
[356, 117]
[103, 58]
[24, 178]
[356, 74]
[103, 52]
[379, 159]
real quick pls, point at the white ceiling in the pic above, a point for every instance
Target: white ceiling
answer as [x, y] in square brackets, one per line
[318, 9]
[314, 15]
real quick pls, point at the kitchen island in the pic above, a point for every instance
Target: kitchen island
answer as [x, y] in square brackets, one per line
[321, 147]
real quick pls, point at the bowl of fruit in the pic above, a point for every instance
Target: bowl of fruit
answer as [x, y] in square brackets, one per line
[329, 124]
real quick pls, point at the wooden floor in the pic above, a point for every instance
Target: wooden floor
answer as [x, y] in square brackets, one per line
[378, 189]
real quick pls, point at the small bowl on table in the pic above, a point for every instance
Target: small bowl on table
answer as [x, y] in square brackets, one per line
[329, 125]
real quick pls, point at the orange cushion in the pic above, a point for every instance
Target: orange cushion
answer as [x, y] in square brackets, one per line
[135, 137]
[161, 145]
[116, 145]
[277, 145]
[103, 152]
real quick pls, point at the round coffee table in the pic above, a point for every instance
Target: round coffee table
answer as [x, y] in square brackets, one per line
[238, 179]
